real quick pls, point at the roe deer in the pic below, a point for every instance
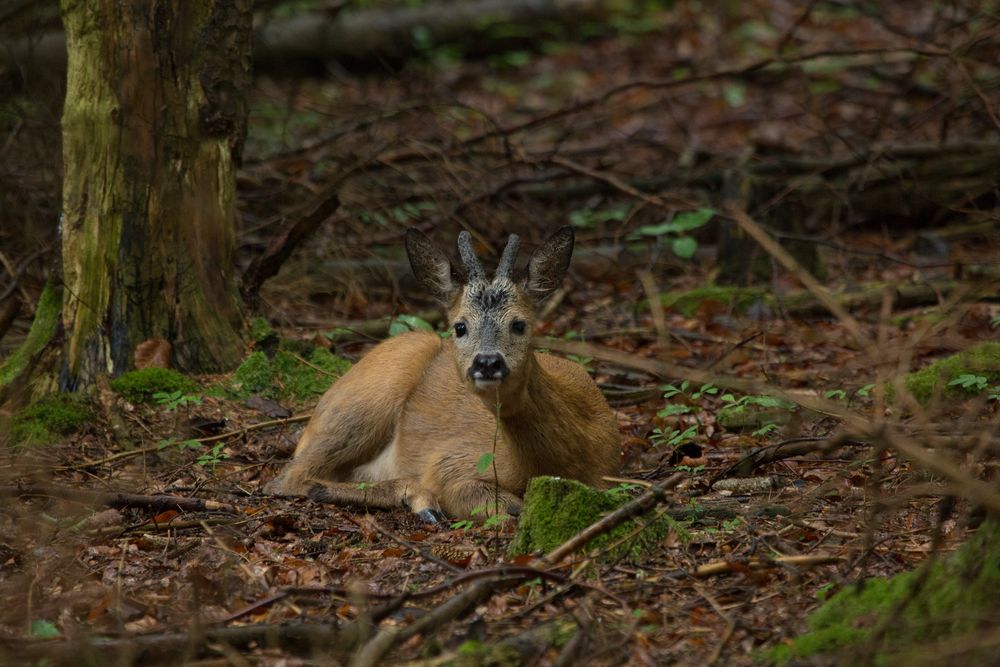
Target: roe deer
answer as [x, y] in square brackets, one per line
[410, 423]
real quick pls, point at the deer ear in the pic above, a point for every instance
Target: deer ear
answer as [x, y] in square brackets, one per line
[548, 264]
[431, 266]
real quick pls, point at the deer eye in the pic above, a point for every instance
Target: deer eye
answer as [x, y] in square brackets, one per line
[518, 327]
[460, 329]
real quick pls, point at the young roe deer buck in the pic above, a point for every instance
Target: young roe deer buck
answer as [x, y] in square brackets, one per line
[410, 423]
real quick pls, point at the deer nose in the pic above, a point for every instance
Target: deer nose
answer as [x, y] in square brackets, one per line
[488, 366]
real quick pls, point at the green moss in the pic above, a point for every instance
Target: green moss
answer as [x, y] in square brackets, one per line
[254, 375]
[288, 374]
[982, 359]
[42, 329]
[50, 418]
[479, 654]
[139, 386]
[260, 330]
[738, 298]
[556, 509]
[959, 596]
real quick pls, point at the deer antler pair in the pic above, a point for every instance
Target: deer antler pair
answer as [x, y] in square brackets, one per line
[474, 268]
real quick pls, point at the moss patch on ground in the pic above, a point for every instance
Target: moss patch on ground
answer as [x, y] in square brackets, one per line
[740, 299]
[138, 386]
[931, 381]
[556, 509]
[50, 418]
[960, 595]
[288, 374]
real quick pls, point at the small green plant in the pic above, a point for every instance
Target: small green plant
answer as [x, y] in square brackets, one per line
[674, 409]
[623, 490]
[585, 218]
[706, 390]
[673, 438]
[690, 469]
[213, 457]
[758, 400]
[683, 245]
[994, 394]
[172, 400]
[493, 520]
[42, 629]
[995, 322]
[463, 524]
[866, 390]
[669, 390]
[403, 323]
[484, 463]
[970, 382]
[583, 361]
[766, 429]
[180, 444]
[835, 394]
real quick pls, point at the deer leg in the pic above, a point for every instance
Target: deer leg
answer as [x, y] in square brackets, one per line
[386, 495]
[460, 498]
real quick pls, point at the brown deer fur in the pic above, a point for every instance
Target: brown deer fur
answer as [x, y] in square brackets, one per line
[408, 424]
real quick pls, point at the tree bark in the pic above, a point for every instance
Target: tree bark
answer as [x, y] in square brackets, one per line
[153, 130]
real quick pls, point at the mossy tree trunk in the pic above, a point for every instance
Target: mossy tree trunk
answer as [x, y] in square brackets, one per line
[153, 130]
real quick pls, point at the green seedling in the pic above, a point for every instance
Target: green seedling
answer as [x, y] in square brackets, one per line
[970, 382]
[172, 400]
[673, 438]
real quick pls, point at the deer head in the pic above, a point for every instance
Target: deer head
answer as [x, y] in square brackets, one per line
[491, 319]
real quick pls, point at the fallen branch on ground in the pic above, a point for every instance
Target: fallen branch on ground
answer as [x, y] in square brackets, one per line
[116, 499]
[724, 566]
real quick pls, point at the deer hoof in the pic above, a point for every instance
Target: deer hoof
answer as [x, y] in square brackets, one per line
[319, 493]
[429, 515]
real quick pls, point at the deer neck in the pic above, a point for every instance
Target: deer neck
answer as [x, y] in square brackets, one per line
[526, 406]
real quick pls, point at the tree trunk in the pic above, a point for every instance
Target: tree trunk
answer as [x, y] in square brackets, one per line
[153, 131]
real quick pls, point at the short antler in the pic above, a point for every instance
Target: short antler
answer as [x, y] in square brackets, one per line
[473, 268]
[508, 257]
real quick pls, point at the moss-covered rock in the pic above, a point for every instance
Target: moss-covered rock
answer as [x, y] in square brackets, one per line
[138, 386]
[48, 419]
[982, 360]
[288, 374]
[960, 595]
[556, 509]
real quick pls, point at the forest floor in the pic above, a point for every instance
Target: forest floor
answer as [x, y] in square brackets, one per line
[737, 577]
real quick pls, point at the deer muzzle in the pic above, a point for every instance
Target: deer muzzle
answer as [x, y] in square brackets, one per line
[488, 369]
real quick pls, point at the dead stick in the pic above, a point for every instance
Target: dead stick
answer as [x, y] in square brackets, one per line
[723, 566]
[118, 499]
[296, 638]
[454, 607]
